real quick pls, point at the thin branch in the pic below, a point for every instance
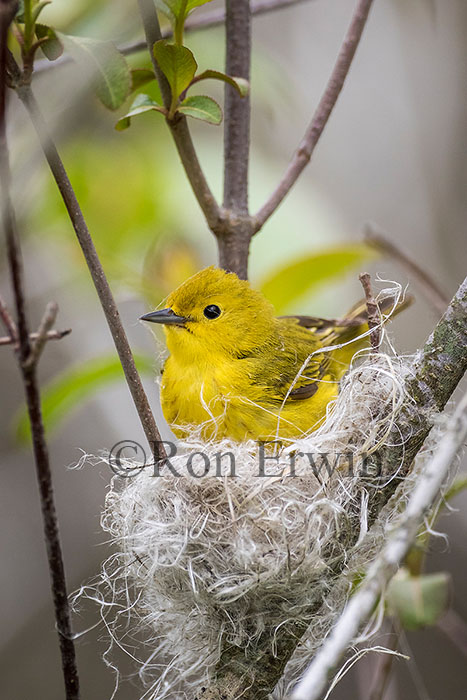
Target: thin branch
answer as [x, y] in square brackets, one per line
[386, 565]
[95, 268]
[374, 319]
[427, 283]
[178, 126]
[312, 135]
[31, 388]
[50, 335]
[8, 322]
[205, 20]
[45, 325]
[236, 108]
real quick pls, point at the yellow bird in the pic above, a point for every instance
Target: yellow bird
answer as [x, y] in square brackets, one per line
[236, 371]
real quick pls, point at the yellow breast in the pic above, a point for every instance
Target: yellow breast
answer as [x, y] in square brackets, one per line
[220, 399]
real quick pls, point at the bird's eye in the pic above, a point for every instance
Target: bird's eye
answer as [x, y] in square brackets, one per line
[212, 311]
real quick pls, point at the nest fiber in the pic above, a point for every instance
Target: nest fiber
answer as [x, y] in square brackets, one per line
[222, 561]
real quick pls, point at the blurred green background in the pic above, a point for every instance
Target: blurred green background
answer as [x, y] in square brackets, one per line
[392, 154]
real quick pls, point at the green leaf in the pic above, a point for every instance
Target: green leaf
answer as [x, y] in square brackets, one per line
[240, 84]
[38, 9]
[295, 279]
[177, 64]
[53, 47]
[142, 103]
[201, 107]
[107, 67]
[74, 386]
[418, 601]
[140, 77]
[179, 9]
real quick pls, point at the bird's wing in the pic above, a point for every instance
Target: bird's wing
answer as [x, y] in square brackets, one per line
[355, 317]
[291, 370]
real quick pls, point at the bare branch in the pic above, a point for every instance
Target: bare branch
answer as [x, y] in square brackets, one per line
[95, 268]
[200, 21]
[51, 335]
[386, 565]
[312, 135]
[45, 325]
[179, 127]
[374, 318]
[427, 283]
[237, 109]
[31, 388]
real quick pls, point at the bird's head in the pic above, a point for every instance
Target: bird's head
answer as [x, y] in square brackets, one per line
[214, 312]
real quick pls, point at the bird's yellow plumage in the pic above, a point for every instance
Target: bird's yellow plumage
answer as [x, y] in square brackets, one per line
[238, 371]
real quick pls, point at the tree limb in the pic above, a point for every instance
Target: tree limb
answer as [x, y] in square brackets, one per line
[387, 563]
[234, 240]
[312, 135]
[236, 108]
[101, 284]
[31, 388]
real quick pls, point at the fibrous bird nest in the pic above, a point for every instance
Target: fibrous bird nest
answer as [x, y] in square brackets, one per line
[221, 562]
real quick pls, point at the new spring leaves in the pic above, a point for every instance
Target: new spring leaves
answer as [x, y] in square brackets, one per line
[179, 67]
[110, 73]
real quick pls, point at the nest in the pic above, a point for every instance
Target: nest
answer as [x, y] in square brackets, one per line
[215, 562]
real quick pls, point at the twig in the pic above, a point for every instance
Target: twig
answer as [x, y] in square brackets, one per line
[31, 388]
[455, 630]
[312, 135]
[374, 318]
[427, 283]
[95, 268]
[50, 335]
[205, 20]
[385, 566]
[45, 325]
[8, 322]
[179, 128]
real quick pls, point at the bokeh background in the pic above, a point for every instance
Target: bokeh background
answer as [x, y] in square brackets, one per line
[393, 154]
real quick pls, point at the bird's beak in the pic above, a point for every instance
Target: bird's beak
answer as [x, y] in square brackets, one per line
[166, 316]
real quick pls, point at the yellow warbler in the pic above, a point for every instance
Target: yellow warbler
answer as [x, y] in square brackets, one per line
[237, 371]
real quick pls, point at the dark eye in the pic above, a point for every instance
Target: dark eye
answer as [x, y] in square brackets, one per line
[212, 311]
